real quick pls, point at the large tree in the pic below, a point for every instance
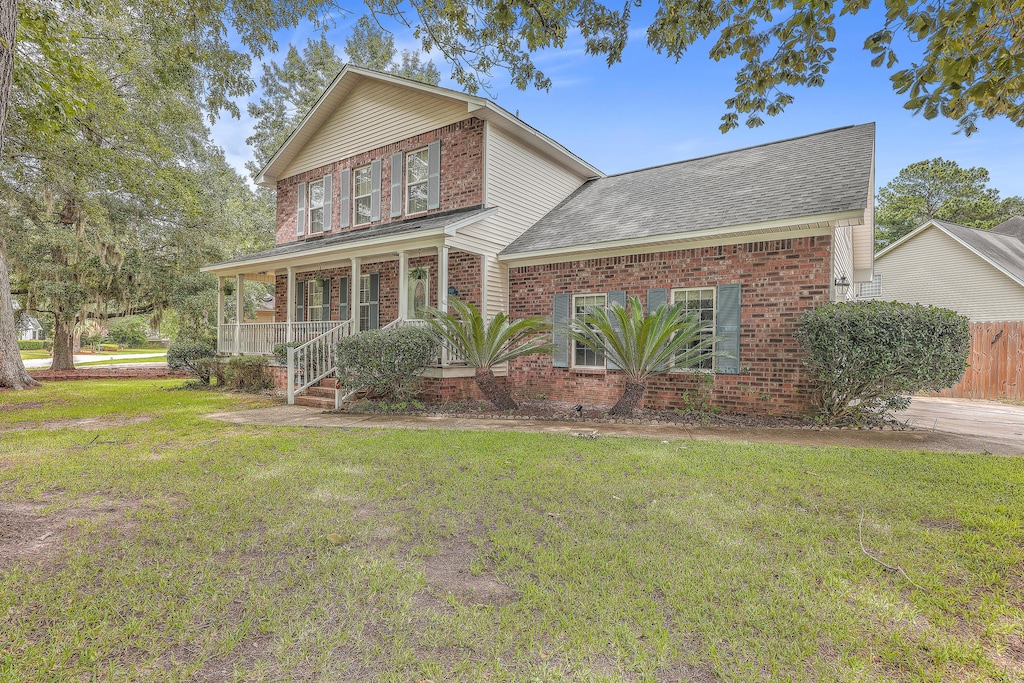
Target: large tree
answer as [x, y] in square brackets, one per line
[939, 189]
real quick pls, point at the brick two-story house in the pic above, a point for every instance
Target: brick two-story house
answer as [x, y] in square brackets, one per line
[392, 195]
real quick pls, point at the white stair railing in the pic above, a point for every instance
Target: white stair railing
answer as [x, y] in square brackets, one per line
[314, 360]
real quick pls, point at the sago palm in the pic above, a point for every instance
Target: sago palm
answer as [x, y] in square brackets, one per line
[643, 345]
[484, 345]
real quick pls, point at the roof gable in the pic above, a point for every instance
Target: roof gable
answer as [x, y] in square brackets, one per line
[1014, 227]
[824, 174]
[403, 113]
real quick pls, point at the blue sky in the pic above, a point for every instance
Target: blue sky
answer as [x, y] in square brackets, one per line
[651, 110]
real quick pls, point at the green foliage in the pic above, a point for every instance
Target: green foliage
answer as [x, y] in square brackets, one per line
[387, 363]
[196, 357]
[942, 190]
[33, 344]
[865, 357]
[281, 352]
[484, 345]
[248, 373]
[130, 332]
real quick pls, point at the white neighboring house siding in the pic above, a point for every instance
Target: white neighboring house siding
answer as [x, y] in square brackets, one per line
[524, 186]
[934, 269]
[373, 115]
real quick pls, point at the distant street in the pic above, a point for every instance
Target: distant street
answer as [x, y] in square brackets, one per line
[93, 357]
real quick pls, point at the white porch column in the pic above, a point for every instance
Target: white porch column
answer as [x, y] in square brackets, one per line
[220, 311]
[239, 310]
[353, 299]
[289, 314]
[442, 292]
[403, 285]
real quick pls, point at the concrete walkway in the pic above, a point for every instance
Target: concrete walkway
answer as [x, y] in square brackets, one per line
[983, 419]
[92, 358]
[923, 440]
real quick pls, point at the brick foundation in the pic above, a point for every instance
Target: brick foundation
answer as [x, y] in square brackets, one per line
[107, 373]
[780, 280]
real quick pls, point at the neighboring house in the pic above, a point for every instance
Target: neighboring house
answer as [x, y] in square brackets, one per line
[29, 327]
[265, 309]
[977, 273]
[392, 195]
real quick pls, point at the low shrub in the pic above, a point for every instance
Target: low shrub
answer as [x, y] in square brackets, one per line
[128, 332]
[866, 357]
[198, 358]
[248, 373]
[108, 347]
[33, 344]
[387, 363]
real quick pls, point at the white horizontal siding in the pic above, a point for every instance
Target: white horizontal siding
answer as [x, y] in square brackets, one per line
[934, 269]
[374, 114]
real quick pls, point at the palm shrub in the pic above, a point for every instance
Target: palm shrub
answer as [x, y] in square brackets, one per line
[866, 357]
[484, 345]
[643, 345]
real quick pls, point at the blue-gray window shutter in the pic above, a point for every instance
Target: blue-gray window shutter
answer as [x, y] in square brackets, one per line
[727, 320]
[300, 301]
[656, 298]
[620, 299]
[434, 175]
[374, 301]
[396, 184]
[328, 203]
[560, 330]
[343, 295]
[345, 214]
[325, 307]
[300, 211]
[375, 190]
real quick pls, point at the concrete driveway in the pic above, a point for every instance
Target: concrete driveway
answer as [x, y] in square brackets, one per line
[1002, 424]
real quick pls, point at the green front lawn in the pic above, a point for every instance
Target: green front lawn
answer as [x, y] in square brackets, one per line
[185, 549]
[35, 354]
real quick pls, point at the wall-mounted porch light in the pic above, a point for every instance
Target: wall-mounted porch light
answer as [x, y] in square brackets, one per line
[842, 284]
[452, 291]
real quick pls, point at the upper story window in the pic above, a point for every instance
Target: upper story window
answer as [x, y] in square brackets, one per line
[583, 355]
[316, 207]
[417, 173]
[699, 301]
[362, 204]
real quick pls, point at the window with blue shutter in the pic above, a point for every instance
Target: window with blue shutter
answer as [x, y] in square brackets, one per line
[328, 201]
[300, 301]
[560, 330]
[345, 179]
[728, 330]
[343, 294]
[300, 211]
[396, 185]
[655, 299]
[375, 170]
[369, 302]
[434, 175]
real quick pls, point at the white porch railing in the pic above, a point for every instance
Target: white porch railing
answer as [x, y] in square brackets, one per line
[315, 359]
[261, 338]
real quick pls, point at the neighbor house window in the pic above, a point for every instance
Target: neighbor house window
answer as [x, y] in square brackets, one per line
[583, 355]
[699, 301]
[361, 206]
[416, 175]
[873, 288]
[316, 207]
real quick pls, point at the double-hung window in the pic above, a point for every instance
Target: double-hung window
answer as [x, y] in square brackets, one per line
[699, 301]
[583, 355]
[316, 207]
[369, 301]
[363, 196]
[417, 172]
[315, 299]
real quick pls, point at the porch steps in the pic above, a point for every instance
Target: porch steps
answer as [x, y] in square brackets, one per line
[318, 396]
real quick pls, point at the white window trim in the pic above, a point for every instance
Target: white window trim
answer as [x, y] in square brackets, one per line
[311, 285]
[310, 207]
[711, 328]
[572, 350]
[425, 181]
[356, 197]
[364, 301]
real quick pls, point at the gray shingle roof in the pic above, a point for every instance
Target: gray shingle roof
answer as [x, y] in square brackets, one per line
[823, 173]
[432, 222]
[1004, 251]
[1014, 227]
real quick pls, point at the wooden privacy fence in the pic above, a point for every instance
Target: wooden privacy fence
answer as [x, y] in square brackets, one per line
[996, 363]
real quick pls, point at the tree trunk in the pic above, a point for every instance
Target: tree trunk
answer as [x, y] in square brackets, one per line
[12, 370]
[494, 392]
[631, 398]
[63, 343]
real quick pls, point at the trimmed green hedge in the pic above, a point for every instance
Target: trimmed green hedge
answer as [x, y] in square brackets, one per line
[387, 363]
[33, 344]
[249, 373]
[867, 357]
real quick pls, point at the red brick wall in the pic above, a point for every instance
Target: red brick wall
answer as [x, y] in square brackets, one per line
[462, 173]
[780, 280]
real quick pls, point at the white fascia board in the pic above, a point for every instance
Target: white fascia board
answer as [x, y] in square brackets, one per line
[451, 228]
[780, 229]
[383, 244]
[537, 140]
[906, 238]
